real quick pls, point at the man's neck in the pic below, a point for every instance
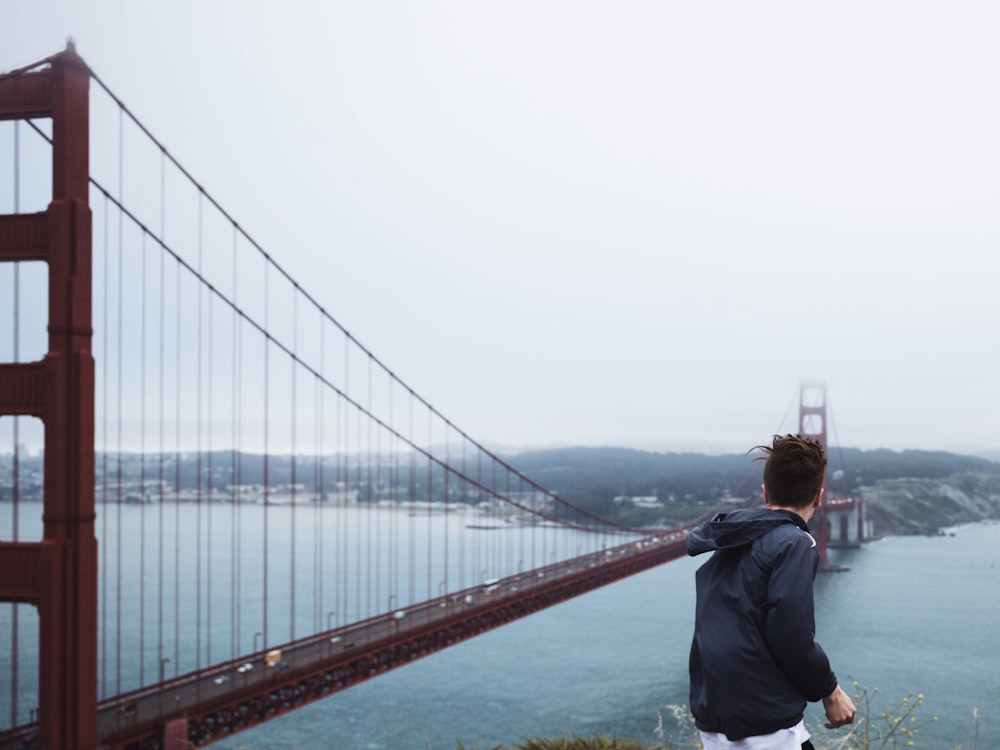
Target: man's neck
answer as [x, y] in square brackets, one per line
[804, 513]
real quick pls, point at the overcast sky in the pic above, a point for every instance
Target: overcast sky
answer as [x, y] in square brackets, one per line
[580, 223]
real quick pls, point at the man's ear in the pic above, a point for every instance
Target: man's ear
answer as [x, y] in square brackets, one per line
[767, 500]
[819, 497]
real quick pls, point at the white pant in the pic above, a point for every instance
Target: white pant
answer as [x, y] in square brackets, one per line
[784, 739]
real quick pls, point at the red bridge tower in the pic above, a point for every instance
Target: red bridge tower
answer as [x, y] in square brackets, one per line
[58, 575]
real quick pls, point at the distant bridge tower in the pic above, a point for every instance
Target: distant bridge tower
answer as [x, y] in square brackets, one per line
[839, 522]
[812, 424]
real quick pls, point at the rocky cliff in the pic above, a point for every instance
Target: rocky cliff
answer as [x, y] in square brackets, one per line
[925, 506]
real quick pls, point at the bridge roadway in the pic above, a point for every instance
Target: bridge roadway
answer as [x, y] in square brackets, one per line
[207, 705]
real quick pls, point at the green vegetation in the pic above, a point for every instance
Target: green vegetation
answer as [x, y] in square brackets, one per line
[889, 728]
[572, 742]
[896, 726]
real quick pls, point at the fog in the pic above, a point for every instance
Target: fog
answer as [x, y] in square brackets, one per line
[636, 224]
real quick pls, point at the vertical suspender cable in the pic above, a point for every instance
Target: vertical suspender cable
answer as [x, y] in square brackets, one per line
[119, 384]
[15, 489]
[342, 498]
[267, 394]
[545, 534]
[445, 473]
[501, 546]
[142, 472]
[238, 446]
[160, 369]
[480, 551]
[295, 335]
[363, 582]
[198, 448]
[412, 515]
[105, 338]
[318, 483]
[209, 536]
[430, 500]
[393, 551]
[462, 537]
[371, 546]
[322, 512]
[559, 511]
[510, 541]
[234, 588]
[177, 472]
[357, 536]
[317, 566]
[380, 542]
[479, 497]
[339, 583]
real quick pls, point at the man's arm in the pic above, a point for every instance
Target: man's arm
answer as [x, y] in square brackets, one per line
[840, 709]
[790, 625]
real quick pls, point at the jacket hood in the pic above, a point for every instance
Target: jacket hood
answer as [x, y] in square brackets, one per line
[738, 528]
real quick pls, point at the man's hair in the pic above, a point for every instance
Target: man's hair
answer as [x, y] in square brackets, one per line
[793, 470]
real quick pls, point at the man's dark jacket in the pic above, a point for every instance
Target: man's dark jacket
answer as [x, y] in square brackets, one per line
[754, 659]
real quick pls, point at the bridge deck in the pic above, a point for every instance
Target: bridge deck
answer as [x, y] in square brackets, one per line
[229, 697]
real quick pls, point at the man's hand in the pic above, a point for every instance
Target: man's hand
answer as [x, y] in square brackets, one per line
[840, 709]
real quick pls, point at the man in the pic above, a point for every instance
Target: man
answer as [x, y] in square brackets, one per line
[754, 662]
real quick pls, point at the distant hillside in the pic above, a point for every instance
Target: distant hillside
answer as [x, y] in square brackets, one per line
[925, 506]
[634, 472]
[908, 491]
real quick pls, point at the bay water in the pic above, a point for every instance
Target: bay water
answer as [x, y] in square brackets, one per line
[916, 615]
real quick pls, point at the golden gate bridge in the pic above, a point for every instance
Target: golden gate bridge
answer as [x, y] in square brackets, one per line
[245, 510]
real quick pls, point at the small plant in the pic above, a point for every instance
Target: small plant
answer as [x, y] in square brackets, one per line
[894, 727]
[686, 735]
[572, 742]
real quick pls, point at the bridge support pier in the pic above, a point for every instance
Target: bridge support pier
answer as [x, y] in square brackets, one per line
[846, 525]
[175, 734]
